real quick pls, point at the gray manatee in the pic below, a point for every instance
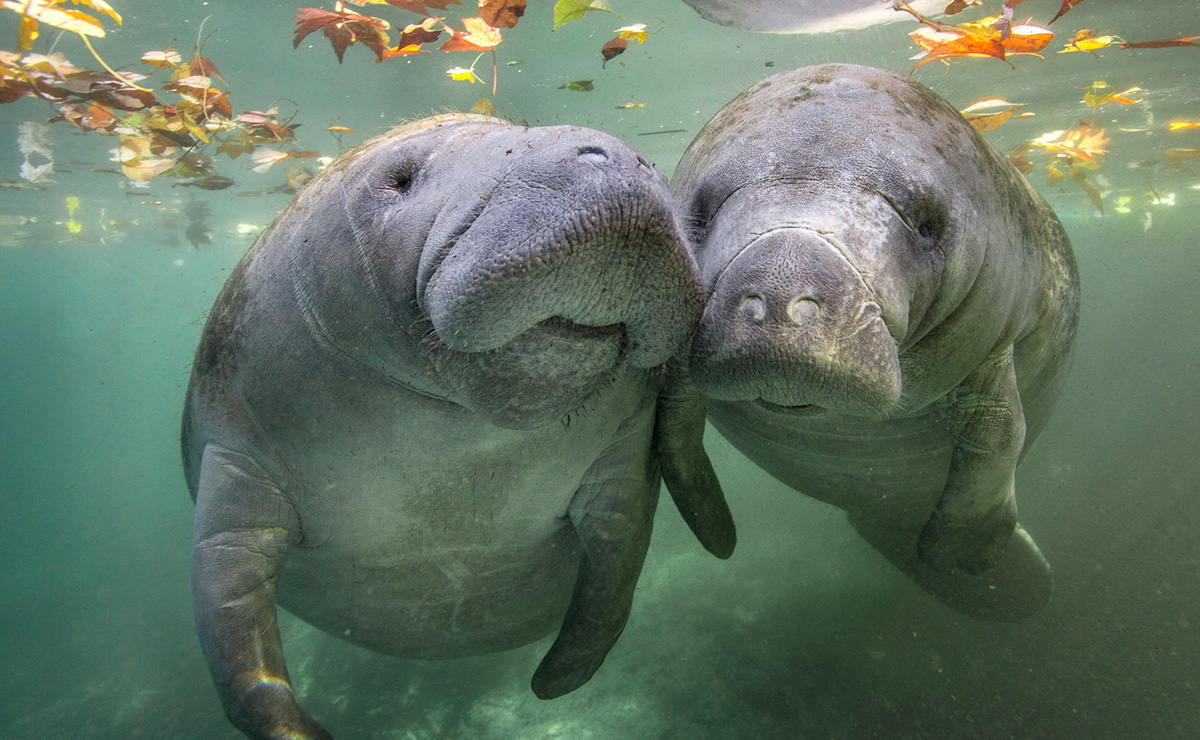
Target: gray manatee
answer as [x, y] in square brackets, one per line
[806, 16]
[891, 313]
[420, 416]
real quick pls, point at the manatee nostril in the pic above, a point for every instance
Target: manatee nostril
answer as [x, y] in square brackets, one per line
[593, 154]
[803, 309]
[753, 307]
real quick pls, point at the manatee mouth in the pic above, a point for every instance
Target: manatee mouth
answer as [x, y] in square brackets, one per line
[546, 373]
[802, 409]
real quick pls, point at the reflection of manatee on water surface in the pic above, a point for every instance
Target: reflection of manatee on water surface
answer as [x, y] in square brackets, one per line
[806, 16]
[891, 313]
[420, 415]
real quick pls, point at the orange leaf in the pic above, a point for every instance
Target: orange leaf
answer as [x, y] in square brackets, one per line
[479, 36]
[1026, 39]
[965, 46]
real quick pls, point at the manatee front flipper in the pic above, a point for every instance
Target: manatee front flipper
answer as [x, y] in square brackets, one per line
[977, 512]
[686, 469]
[613, 514]
[243, 529]
[1018, 587]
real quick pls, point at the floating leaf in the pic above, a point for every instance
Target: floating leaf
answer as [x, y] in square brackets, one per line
[101, 7]
[580, 86]
[44, 12]
[958, 6]
[983, 122]
[613, 48]
[1027, 39]
[636, 32]
[962, 46]
[566, 11]
[343, 28]
[627, 106]
[263, 158]
[1101, 92]
[420, 33]
[1084, 143]
[501, 13]
[1164, 44]
[1084, 40]
[1183, 125]
[463, 74]
[162, 59]
[1066, 5]
[138, 159]
[479, 36]
[1080, 177]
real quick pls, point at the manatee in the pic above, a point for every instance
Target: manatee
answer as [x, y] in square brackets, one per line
[890, 316]
[421, 412]
[806, 16]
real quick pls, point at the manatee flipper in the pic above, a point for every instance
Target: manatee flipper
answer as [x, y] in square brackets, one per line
[613, 514]
[977, 512]
[686, 469]
[240, 539]
[1018, 587]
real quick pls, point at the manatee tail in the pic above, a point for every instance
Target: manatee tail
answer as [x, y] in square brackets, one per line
[1017, 588]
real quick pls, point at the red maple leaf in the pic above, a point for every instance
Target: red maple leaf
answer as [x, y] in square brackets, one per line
[343, 28]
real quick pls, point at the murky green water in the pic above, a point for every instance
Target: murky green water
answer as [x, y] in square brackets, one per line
[806, 632]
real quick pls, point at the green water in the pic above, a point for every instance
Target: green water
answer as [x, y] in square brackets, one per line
[805, 632]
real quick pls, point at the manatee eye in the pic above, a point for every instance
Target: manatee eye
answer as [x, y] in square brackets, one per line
[401, 179]
[932, 222]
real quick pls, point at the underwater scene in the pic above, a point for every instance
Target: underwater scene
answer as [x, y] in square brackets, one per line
[145, 145]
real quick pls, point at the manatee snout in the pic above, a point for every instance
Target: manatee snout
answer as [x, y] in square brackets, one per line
[579, 229]
[791, 322]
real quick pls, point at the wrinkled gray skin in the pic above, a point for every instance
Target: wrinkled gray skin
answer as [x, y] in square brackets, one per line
[421, 414]
[890, 316]
[806, 16]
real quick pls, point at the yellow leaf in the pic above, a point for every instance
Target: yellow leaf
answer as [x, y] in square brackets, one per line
[191, 126]
[984, 122]
[162, 59]
[101, 7]
[462, 74]
[67, 20]
[1077, 174]
[636, 32]
[1085, 41]
[27, 33]
[74, 226]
